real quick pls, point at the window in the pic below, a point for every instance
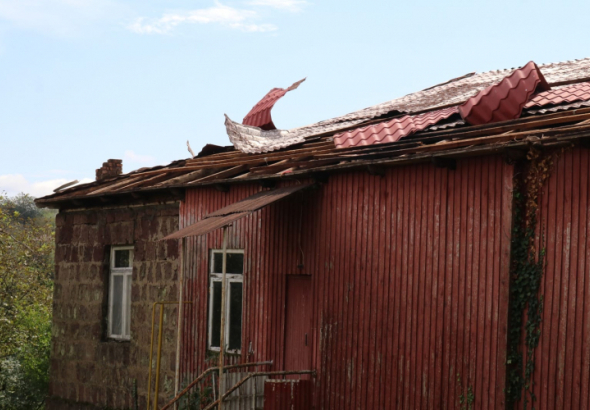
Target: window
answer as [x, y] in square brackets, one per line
[233, 299]
[120, 292]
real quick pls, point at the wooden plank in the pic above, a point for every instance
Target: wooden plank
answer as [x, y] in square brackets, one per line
[226, 173]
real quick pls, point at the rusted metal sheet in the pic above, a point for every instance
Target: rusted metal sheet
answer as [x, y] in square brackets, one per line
[505, 100]
[562, 372]
[409, 278]
[287, 395]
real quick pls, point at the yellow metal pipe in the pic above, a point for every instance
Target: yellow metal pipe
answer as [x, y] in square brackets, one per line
[151, 355]
[159, 345]
[180, 316]
[222, 329]
[158, 360]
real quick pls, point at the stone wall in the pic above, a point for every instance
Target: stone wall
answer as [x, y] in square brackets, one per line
[87, 369]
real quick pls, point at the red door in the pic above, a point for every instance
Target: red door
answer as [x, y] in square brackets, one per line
[298, 324]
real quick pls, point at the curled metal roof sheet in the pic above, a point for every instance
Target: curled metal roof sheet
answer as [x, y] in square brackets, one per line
[259, 116]
[393, 130]
[505, 100]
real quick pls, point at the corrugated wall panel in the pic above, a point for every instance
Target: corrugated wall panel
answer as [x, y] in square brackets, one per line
[409, 276]
[563, 357]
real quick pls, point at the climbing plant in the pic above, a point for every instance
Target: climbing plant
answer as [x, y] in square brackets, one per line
[526, 271]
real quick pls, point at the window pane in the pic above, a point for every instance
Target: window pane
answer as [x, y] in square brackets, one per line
[117, 305]
[235, 316]
[217, 261]
[216, 314]
[122, 258]
[128, 307]
[235, 263]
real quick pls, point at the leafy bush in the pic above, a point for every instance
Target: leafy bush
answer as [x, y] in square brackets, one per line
[26, 290]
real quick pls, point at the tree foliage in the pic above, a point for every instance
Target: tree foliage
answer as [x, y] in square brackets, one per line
[26, 289]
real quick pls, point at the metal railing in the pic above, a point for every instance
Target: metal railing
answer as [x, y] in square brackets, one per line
[211, 370]
[255, 374]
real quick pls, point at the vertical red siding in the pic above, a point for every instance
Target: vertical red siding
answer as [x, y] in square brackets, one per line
[409, 276]
[563, 356]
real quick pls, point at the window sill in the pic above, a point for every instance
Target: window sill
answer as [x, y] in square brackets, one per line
[215, 350]
[116, 340]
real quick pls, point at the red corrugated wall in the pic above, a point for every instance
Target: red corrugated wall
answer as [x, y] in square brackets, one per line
[562, 376]
[409, 275]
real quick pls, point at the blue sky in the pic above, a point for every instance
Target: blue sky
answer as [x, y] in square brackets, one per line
[82, 81]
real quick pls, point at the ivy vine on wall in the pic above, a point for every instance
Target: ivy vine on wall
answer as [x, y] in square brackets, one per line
[526, 271]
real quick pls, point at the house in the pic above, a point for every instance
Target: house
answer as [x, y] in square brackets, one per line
[428, 252]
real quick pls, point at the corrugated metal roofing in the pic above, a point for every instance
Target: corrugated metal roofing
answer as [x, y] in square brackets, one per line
[505, 100]
[569, 94]
[455, 91]
[393, 130]
[231, 213]
[259, 116]
[254, 140]
[317, 152]
[562, 107]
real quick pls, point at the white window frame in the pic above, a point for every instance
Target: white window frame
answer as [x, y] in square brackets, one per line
[230, 278]
[127, 274]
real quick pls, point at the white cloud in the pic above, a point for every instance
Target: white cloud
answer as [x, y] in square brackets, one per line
[60, 17]
[218, 14]
[138, 159]
[13, 184]
[289, 5]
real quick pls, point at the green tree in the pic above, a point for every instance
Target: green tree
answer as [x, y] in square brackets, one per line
[26, 289]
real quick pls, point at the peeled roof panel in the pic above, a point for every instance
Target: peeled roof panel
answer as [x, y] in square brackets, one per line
[393, 130]
[259, 200]
[231, 213]
[259, 115]
[205, 226]
[505, 100]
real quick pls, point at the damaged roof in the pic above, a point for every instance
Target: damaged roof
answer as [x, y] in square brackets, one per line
[422, 126]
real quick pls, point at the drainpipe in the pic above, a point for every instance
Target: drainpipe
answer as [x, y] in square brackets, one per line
[180, 315]
[222, 330]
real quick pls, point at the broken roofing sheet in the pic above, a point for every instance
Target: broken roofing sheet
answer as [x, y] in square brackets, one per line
[393, 130]
[254, 140]
[317, 152]
[505, 100]
[502, 101]
[453, 92]
[259, 116]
